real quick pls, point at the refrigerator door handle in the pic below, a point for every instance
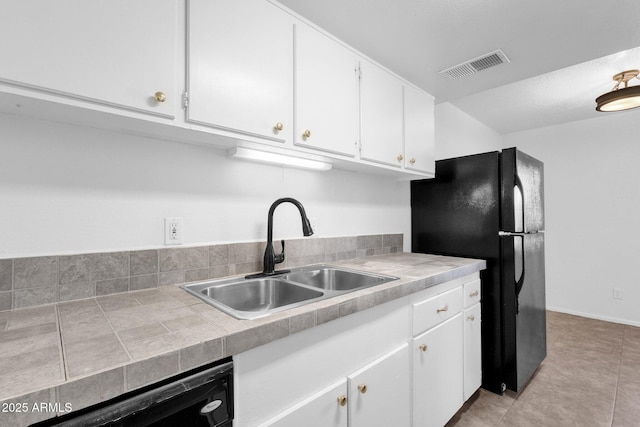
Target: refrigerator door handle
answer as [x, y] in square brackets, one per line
[519, 211]
[519, 281]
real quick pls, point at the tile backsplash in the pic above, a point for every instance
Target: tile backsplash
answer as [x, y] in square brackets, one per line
[27, 282]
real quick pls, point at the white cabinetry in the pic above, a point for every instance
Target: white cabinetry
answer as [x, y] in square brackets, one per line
[381, 125]
[118, 53]
[437, 359]
[422, 365]
[242, 70]
[273, 379]
[240, 67]
[380, 393]
[326, 93]
[472, 339]
[376, 394]
[419, 137]
[328, 408]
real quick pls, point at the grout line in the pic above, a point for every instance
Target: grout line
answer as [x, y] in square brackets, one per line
[65, 369]
[615, 399]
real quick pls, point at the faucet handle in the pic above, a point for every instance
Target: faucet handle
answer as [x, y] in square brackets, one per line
[277, 259]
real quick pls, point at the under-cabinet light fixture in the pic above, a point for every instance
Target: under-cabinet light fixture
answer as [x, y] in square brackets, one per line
[620, 99]
[277, 159]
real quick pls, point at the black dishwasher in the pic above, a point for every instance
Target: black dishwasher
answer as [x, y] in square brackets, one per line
[201, 398]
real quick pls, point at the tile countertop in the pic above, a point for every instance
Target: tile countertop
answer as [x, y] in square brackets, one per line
[86, 351]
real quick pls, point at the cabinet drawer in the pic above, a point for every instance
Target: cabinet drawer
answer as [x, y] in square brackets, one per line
[471, 293]
[429, 313]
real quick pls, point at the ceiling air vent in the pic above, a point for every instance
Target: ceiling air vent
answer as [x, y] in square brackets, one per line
[480, 63]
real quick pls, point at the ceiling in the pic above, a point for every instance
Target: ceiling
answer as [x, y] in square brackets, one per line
[562, 54]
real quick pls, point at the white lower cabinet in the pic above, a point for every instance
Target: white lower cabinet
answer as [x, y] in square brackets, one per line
[437, 373]
[380, 393]
[410, 361]
[472, 338]
[377, 394]
[328, 408]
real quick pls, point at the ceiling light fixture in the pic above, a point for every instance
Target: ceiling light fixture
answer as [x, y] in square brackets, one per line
[620, 99]
[277, 159]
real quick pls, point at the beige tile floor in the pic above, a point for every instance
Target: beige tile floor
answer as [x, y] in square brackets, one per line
[591, 377]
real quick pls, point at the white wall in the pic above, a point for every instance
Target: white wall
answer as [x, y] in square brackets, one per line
[592, 206]
[458, 134]
[68, 189]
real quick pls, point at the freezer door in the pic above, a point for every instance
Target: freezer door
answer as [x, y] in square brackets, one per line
[522, 190]
[524, 304]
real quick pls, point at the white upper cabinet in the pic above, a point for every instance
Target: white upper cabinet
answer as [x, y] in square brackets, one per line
[419, 137]
[240, 67]
[381, 127]
[118, 52]
[326, 93]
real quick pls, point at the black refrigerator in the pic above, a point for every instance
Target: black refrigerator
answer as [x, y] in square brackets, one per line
[491, 206]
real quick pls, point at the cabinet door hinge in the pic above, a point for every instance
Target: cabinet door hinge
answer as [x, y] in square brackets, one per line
[185, 99]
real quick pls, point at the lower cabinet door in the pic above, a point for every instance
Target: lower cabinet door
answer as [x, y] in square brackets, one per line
[472, 351]
[327, 408]
[437, 373]
[380, 393]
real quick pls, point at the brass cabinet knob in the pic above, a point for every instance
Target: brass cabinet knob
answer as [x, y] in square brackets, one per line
[160, 96]
[423, 347]
[278, 127]
[412, 161]
[474, 294]
[342, 400]
[306, 134]
[445, 308]
[472, 318]
[400, 157]
[362, 388]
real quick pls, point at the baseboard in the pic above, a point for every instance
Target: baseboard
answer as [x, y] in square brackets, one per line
[594, 316]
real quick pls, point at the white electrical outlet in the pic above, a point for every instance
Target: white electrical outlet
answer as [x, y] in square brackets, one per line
[617, 293]
[173, 231]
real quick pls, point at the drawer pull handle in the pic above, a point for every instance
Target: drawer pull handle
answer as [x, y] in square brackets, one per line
[472, 318]
[445, 308]
[474, 294]
[362, 388]
[342, 400]
[423, 347]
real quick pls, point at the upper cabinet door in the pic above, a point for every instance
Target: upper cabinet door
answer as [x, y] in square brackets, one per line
[111, 52]
[381, 116]
[419, 137]
[240, 67]
[326, 93]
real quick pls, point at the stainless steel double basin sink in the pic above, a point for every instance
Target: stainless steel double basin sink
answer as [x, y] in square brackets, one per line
[253, 298]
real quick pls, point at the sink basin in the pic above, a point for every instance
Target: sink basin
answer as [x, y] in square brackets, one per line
[335, 279]
[259, 294]
[245, 298]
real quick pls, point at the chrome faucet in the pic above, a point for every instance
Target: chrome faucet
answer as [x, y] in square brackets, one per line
[270, 258]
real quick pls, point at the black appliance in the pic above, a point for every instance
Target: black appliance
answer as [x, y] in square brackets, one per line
[202, 398]
[491, 206]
